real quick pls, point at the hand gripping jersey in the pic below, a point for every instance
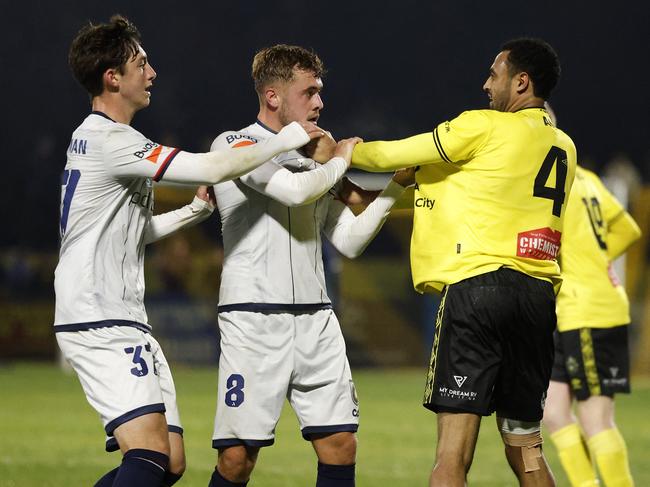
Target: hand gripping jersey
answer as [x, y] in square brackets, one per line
[491, 192]
[106, 206]
[591, 294]
[272, 229]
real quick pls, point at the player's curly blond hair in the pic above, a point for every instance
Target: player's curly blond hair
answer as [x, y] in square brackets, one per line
[278, 62]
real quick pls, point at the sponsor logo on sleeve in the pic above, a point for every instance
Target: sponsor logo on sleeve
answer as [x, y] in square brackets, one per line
[240, 140]
[153, 152]
[541, 244]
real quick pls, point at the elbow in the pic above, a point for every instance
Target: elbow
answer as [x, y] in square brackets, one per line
[353, 254]
[217, 175]
[349, 251]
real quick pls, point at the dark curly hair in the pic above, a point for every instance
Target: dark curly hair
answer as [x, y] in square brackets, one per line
[97, 48]
[537, 58]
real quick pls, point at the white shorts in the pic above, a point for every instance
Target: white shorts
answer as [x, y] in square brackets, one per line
[124, 374]
[266, 357]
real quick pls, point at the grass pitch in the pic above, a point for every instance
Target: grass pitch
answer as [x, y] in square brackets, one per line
[50, 437]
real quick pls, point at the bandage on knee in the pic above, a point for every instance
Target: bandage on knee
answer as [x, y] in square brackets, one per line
[530, 445]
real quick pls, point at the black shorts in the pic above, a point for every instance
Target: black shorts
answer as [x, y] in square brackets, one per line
[493, 346]
[593, 361]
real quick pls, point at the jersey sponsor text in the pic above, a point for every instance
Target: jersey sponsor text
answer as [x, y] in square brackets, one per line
[541, 244]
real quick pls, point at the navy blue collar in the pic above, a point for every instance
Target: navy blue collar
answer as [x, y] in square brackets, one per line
[102, 114]
[264, 126]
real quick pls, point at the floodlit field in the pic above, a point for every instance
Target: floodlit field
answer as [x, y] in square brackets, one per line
[49, 435]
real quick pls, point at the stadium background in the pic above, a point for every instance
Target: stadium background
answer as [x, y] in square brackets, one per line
[393, 70]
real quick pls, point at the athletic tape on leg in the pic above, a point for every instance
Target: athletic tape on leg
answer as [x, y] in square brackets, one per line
[530, 445]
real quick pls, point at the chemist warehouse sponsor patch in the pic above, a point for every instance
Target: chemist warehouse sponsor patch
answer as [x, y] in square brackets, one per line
[541, 244]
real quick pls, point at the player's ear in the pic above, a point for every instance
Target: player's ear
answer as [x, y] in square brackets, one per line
[522, 82]
[111, 80]
[272, 97]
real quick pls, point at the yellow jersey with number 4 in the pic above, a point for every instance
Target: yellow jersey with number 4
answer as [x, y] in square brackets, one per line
[598, 230]
[491, 192]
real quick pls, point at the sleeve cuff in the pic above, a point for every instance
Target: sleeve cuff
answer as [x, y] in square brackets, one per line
[199, 206]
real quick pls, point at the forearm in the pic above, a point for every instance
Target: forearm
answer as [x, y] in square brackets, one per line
[296, 189]
[397, 154]
[224, 164]
[622, 233]
[165, 224]
[351, 234]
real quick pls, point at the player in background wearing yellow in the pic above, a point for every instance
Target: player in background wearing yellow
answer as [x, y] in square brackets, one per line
[591, 344]
[489, 204]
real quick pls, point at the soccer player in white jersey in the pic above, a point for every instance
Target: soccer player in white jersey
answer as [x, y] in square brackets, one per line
[106, 221]
[279, 335]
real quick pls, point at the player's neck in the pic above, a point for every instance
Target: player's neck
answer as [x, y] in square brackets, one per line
[523, 102]
[269, 119]
[116, 111]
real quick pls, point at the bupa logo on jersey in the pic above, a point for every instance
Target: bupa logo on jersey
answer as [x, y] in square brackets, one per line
[243, 139]
[541, 244]
[153, 152]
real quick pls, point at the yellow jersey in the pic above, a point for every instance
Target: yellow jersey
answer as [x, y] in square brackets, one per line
[490, 192]
[598, 230]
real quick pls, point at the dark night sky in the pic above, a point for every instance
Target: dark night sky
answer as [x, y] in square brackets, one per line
[392, 71]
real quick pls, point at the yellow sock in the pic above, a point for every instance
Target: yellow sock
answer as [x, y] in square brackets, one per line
[573, 456]
[609, 450]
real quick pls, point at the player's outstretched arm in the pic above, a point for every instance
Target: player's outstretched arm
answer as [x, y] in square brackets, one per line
[163, 225]
[296, 189]
[222, 165]
[351, 234]
[129, 154]
[383, 156]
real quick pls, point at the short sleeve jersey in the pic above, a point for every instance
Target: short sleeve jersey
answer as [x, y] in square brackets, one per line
[498, 198]
[106, 204]
[490, 192]
[591, 294]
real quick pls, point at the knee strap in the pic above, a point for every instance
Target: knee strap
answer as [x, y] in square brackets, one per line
[530, 445]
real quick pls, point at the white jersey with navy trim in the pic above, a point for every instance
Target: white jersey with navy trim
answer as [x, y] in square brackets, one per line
[273, 252]
[106, 205]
